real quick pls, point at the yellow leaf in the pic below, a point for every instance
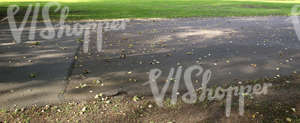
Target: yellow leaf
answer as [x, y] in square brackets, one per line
[288, 119]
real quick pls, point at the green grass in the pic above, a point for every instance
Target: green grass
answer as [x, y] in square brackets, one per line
[112, 9]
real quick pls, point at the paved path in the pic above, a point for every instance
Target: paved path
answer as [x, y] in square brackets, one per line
[49, 62]
[233, 48]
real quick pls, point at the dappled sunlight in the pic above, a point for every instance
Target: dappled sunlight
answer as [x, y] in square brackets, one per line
[33, 70]
[30, 93]
[53, 55]
[230, 52]
[70, 69]
[7, 44]
[273, 64]
[205, 33]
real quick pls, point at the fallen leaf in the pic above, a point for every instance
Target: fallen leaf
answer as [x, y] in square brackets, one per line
[227, 61]
[253, 65]
[36, 43]
[189, 53]
[135, 98]
[293, 109]
[32, 75]
[288, 119]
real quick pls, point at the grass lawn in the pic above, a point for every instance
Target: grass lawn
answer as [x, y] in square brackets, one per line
[112, 9]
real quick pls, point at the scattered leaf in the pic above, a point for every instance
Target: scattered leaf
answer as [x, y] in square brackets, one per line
[86, 71]
[32, 75]
[227, 61]
[135, 98]
[288, 119]
[36, 43]
[189, 53]
[293, 109]
[253, 65]
[122, 56]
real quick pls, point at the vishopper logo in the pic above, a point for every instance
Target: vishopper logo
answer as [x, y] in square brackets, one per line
[210, 94]
[61, 28]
